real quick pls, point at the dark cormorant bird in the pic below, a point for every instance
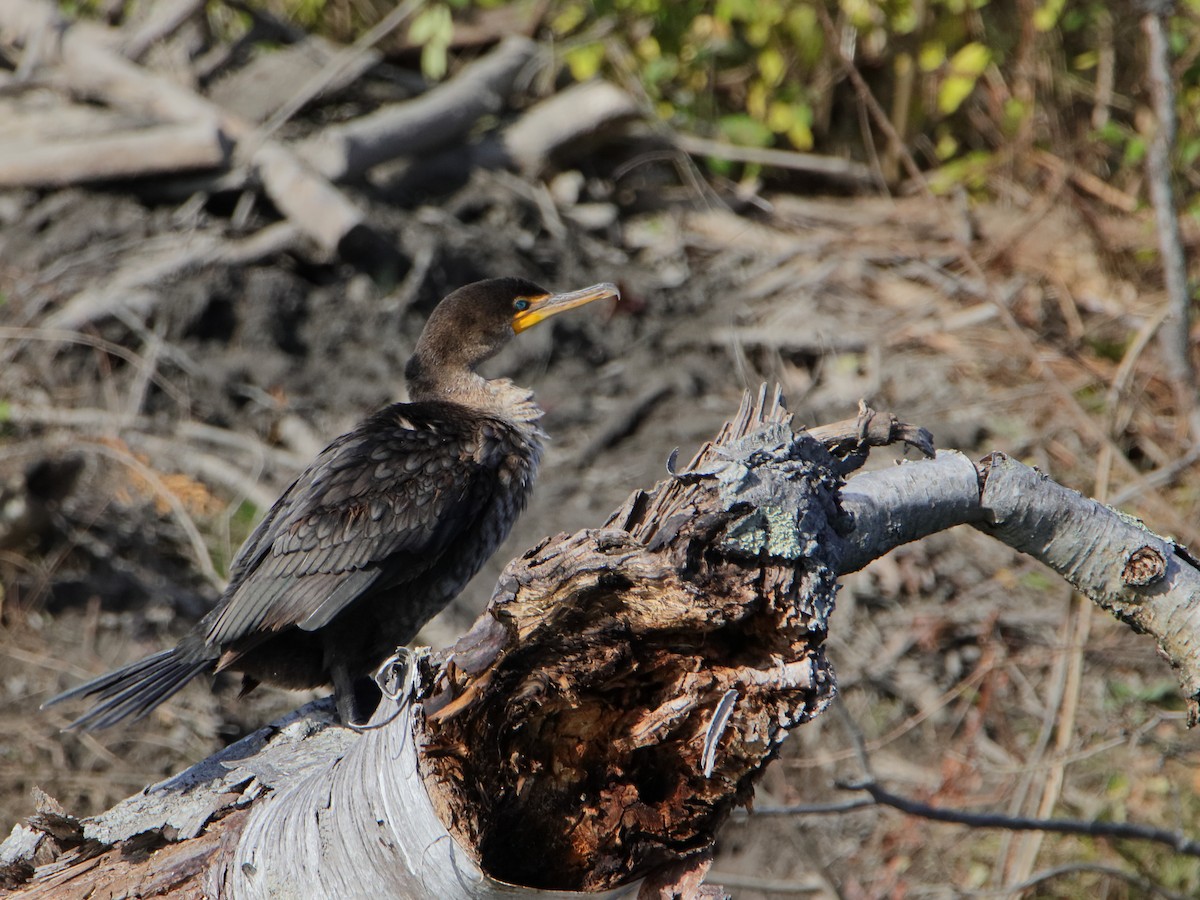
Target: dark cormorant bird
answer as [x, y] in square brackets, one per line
[383, 529]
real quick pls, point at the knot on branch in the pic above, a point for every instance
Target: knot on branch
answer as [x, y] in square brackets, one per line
[630, 683]
[1144, 566]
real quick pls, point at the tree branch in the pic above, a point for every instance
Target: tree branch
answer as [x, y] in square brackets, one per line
[1176, 335]
[621, 695]
[1178, 842]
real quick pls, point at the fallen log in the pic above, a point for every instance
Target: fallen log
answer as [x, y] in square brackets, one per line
[442, 116]
[622, 693]
[581, 110]
[146, 151]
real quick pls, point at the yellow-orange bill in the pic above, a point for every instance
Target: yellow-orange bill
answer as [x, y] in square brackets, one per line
[542, 308]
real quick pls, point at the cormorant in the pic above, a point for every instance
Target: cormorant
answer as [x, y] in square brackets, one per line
[381, 531]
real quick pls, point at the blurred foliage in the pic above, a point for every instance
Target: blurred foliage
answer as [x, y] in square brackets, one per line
[969, 85]
[431, 28]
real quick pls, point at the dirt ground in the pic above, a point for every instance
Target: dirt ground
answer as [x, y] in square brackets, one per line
[137, 447]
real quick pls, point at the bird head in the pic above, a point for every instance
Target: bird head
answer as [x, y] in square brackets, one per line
[474, 322]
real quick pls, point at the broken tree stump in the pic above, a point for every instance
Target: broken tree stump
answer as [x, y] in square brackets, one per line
[622, 693]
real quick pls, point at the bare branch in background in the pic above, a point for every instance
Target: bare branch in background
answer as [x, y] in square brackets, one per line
[1175, 337]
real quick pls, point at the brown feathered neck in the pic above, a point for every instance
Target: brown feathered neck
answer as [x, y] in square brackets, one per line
[466, 329]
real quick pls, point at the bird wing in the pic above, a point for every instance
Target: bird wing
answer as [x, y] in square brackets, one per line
[396, 490]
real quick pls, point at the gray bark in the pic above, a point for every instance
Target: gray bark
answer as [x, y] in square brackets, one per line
[743, 544]
[440, 117]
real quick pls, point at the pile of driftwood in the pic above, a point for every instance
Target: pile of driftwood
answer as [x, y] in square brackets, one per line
[147, 123]
[162, 98]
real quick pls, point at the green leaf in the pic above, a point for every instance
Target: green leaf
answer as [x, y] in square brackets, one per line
[1111, 133]
[771, 66]
[584, 61]
[965, 68]
[717, 166]
[432, 29]
[569, 17]
[649, 49]
[736, 10]
[946, 145]
[780, 116]
[931, 56]
[800, 135]
[757, 33]
[1135, 151]
[1046, 16]
[742, 129]
[434, 61]
[969, 171]
[904, 19]
[1189, 152]
[424, 25]
[1015, 113]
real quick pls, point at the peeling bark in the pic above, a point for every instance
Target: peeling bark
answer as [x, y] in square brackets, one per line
[621, 694]
[638, 677]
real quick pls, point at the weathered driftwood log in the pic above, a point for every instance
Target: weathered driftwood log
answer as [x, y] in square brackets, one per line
[622, 693]
[146, 151]
[582, 110]
[442, 116]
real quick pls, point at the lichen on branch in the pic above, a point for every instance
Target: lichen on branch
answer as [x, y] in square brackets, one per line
[630, 683]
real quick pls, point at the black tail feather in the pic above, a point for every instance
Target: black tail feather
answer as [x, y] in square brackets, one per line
[133, 690]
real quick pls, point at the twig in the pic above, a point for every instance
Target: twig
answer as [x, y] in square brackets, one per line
[133, 287]
[207, 467]
[1142, 884]
[1177, 841]
[1156, 479]
[1087, 182]
[811, 885]
[857, 739]
[791, 341]
[1106, 65]
[881, 119]
[141, 383]
[1175, 337]
[1058, 720]
[199, 549]
[579, 111]
[806, 809]
[64, 336]
[179, 449]
[831, 167]
[243, 442]
[872, 429]
[623, 422]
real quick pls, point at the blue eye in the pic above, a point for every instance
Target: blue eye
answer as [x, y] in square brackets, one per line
[521, 305]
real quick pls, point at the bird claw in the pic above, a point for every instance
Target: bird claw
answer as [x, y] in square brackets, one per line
[396, 679]
[398, 675]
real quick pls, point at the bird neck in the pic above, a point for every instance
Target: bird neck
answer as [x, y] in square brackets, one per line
[497, 397]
